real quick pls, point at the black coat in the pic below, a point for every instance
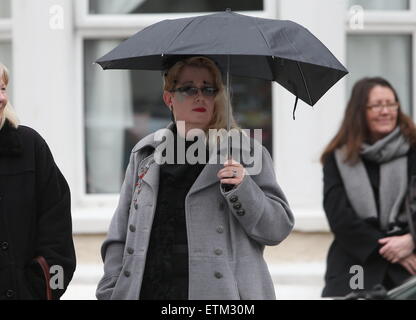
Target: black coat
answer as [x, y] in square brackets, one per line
[35, 216]
[356, 240]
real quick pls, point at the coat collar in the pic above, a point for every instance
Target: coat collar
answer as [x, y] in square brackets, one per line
[10, 144]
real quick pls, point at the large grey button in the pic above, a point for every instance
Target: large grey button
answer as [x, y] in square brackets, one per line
[130, 250]
[237, 205]
[233, 198]
[218, 252]
[127, 273]
[10, 293]
[241, 212]
[4, 246]
[132, 228]
[218, 275]
[220, 229]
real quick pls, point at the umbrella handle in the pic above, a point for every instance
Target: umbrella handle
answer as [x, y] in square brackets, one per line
[226, 187]
[228, 106]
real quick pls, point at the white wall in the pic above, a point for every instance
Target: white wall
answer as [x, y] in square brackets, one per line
[43, 74]
[299, 143]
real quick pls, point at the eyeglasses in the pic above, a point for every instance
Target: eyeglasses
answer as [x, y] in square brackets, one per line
[378, 107]
[193, 91]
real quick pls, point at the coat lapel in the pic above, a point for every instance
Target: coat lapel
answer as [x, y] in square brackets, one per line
[208, 175]
[206, 178]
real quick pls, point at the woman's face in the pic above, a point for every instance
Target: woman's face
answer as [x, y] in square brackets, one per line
[381, 114]
[196, 110]
[3, 96]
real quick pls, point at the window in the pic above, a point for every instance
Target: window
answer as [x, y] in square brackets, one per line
[122, 106]
[5, 42]
[388, 56]
[5, 11]
[381, 42]
[177, 6]
[381, 4]
[6, 59]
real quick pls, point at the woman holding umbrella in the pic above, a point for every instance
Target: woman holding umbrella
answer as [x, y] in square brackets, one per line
[368, 167]
[177, 233]
[35, 212]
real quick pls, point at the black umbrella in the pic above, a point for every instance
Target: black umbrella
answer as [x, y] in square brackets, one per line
[277, 50]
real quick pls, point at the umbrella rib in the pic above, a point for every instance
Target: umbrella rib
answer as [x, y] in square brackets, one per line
[264, 38]
[270, 50]
[179, 33]
[304, 82]
[299, 67]
[293, 46]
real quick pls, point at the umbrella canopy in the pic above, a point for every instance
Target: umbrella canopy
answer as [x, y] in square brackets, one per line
[276, 50]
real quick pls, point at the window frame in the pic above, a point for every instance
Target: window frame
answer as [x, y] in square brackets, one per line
[6, 32]
[391, 22]
[127, 24]
[6, 29]
[412, 7]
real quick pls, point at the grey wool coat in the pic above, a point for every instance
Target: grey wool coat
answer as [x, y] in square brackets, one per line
[227, 232]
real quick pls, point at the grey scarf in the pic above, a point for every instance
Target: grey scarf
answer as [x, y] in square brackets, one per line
[390, 152]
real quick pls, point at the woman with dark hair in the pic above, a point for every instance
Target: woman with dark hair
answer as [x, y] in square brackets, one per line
[367, 169]
[37, 256]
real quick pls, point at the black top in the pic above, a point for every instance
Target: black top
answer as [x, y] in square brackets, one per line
[166, 274]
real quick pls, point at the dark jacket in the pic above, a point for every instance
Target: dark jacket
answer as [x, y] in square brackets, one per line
[35, 217]
[356, 240]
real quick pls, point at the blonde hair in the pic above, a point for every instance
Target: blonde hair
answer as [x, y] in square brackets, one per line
[219, 117]
[8, 112]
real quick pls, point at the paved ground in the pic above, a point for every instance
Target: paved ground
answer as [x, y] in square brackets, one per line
[298, 247]
[297, 266]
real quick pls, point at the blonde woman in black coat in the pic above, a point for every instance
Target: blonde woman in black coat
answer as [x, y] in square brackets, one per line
[37, 257]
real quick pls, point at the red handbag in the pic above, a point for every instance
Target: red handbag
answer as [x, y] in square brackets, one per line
[45, 268]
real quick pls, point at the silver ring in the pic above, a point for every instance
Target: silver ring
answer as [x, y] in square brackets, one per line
[234, 173]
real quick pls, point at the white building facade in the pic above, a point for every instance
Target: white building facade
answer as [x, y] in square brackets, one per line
[91, 118]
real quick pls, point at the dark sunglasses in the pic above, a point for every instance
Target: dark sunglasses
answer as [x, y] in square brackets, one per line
[193, 91]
